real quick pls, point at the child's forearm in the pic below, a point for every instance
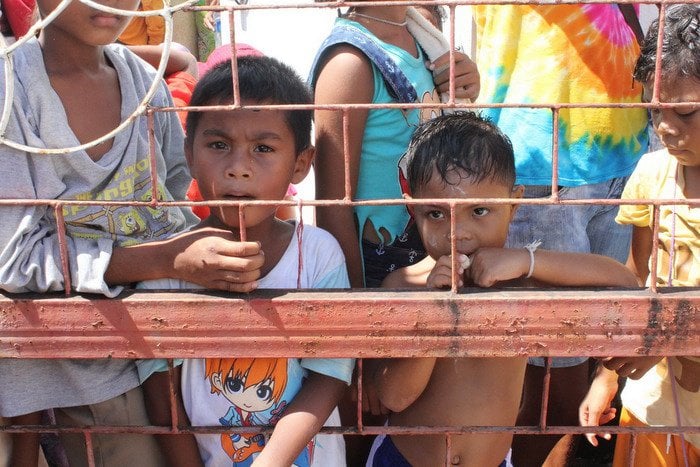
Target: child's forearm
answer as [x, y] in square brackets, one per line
[302, 420]
[209, 257]
[400, 381]
[580, 269]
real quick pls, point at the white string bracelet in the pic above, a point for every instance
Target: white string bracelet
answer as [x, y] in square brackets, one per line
[531, 247]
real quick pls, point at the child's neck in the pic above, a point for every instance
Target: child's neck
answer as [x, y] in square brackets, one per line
[62, 56]
[691, 176]
[387, 23]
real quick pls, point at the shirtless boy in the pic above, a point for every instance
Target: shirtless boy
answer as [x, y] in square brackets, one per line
[464, 156]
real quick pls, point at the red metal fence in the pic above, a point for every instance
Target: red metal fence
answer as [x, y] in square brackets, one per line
[356, 323]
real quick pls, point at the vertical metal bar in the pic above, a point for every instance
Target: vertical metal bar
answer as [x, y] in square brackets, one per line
[448, 450]
[346, 155]
[63, 247]
[659, 50]
[545, 393]
[150, 118]
[174, 422]
[360, 425]
[241, 223]
[88, 448]
[234, 60]
[654, 250]
[300, 245]
[632, 448]
[452, 56]
[555, 153]
[453, 249]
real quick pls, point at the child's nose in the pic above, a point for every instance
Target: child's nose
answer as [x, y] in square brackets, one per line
[239, 165]
[666, 126]
[464, 230]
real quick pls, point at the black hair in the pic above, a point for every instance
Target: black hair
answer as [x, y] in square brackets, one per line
[260, 79]
[680, 49]
[462, 141]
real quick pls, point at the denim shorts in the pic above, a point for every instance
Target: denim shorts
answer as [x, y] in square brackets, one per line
[585, 228]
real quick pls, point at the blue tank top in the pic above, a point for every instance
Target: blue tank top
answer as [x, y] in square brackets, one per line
[386, 137]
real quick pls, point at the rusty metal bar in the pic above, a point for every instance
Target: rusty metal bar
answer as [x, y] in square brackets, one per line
[272, 323]
[351, 430]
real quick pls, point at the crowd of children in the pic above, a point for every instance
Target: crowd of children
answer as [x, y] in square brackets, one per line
[72, 84]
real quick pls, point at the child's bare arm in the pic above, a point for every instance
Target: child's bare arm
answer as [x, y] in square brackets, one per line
[302, 420]
[179, 60]
[346, 78]
[209, 257]
[180, 449]
[595, 410]
[630, 367]
[400, 381]
[640, 252]
[491, 265]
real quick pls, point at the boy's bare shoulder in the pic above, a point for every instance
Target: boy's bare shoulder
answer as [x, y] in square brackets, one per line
[414, 276]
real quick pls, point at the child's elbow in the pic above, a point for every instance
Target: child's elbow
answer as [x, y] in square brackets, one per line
[398, 401]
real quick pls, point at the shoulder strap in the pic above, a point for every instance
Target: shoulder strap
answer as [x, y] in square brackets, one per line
[632, 20]
[398, 84]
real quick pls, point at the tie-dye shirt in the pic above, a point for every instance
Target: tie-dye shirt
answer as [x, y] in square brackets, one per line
[535, 54]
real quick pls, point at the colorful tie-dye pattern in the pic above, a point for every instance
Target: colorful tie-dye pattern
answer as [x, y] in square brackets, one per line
[562, 54]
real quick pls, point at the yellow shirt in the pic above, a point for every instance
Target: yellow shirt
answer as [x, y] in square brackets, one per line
[651, 398]
[145, 30]
[655, 178]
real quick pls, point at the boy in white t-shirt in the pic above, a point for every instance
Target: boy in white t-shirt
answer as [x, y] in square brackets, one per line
[249, 155]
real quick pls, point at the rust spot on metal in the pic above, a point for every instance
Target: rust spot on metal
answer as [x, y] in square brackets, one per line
[97, 324]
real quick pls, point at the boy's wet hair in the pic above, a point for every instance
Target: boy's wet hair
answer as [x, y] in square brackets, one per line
[465, 142]
[680, 46]
[264, 80]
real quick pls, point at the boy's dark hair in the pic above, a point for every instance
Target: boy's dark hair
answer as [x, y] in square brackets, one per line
[260, 79]
[463, 141]
[680, 45]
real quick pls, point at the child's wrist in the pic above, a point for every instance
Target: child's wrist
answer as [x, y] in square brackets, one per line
[531, 248]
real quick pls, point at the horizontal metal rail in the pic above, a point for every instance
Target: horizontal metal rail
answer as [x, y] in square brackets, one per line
[342, 323]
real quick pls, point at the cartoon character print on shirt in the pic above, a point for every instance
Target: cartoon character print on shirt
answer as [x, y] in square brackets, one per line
[125, 225]
[254, 387]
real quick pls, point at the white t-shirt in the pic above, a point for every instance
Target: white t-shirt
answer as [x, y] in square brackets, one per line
[216, 391]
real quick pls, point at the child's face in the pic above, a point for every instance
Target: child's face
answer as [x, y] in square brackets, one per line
[678, 128]
[245, 155]
[94, 27]
[476, 225]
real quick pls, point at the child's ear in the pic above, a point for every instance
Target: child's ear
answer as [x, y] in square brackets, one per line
[303, 164]
[408, 197]
[518, 192]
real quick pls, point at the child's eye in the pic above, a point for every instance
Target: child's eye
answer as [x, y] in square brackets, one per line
[218, 145]
[685, 112]
[435, 214]
[263, 148]
[481, 212]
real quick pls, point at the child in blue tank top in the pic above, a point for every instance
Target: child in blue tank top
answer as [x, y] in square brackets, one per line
[377, 138]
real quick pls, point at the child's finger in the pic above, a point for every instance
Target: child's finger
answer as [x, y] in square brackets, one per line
[591, 437]
[235, 287]
[241, 249]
